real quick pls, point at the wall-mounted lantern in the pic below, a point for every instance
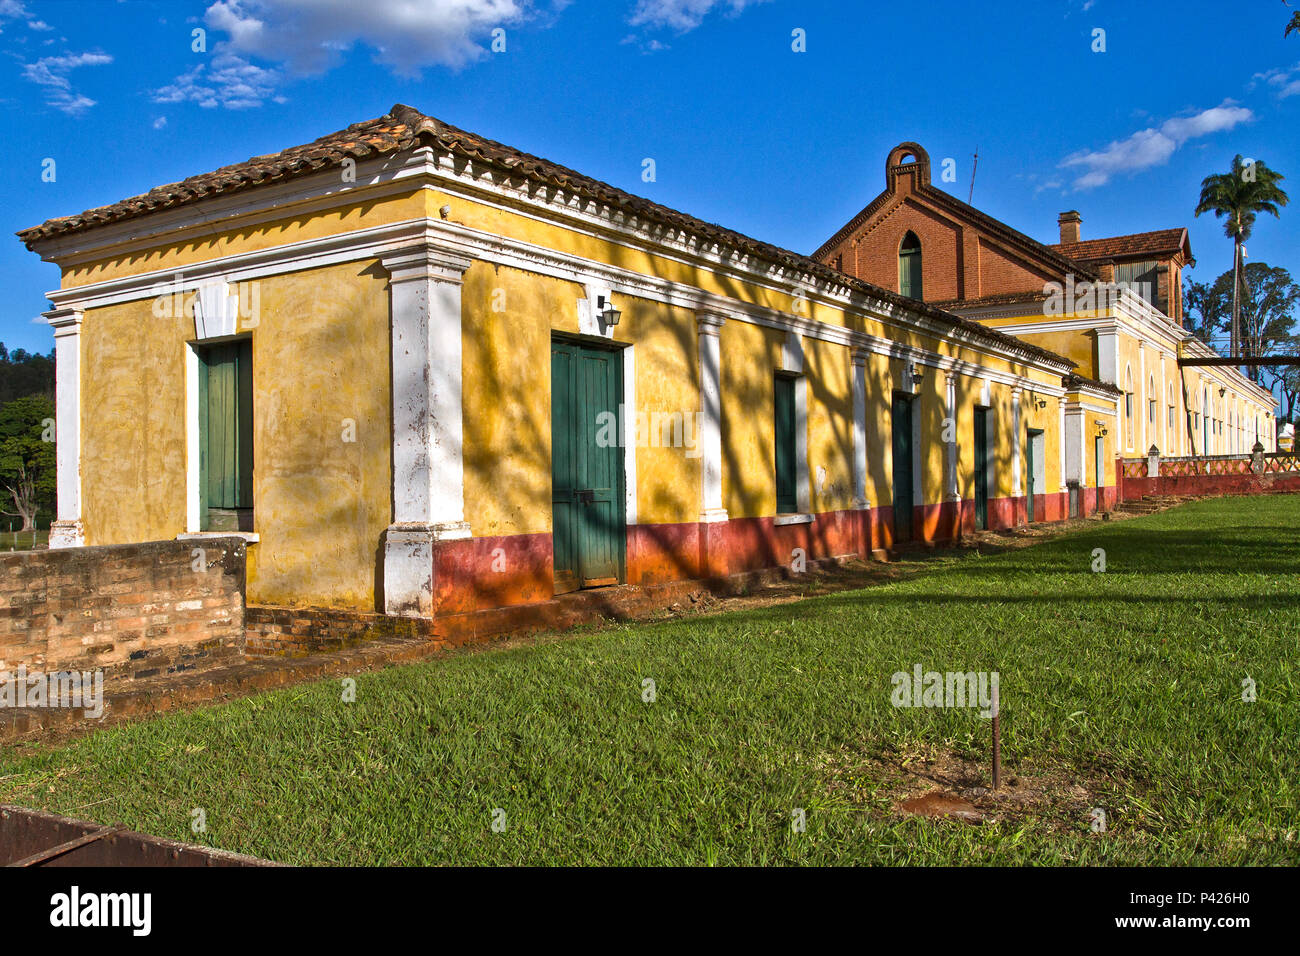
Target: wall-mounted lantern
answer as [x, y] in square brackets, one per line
[605, 309]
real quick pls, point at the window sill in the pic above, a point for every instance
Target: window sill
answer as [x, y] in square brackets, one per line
[250, 537]
[793, 519]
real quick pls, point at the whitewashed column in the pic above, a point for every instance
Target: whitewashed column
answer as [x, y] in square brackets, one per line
[1060, 441]
[859, 359]
[708, 325]
[950, 447]
[67, 530]
[1144, 409]
[1015, 441]
[428, 440]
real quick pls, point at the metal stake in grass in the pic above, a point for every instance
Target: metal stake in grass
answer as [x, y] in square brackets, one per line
[997, 741]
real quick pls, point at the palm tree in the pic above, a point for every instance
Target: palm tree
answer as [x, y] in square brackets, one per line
[1238, 196]
[1293, 25]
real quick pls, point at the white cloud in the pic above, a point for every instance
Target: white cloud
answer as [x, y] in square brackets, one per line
[228, 81]
[160, 122]
[306, 37]
[1283, 81]
[1152, 146]
[15, 10]
[51, 72]
[682, 15]
[309, 36]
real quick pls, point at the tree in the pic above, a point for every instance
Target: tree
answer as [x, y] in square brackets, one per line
[1209, 307]
[1288, 384]
[22, 373]
[1269, 307]
[1238, 196]
[1269, 304]
[27, 457]
[1293, 25]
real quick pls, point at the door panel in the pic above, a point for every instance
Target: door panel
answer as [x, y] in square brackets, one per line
[601, 523]
[901, 418]
[1033, 458]
[589, 529]
[564, 478]
[981, 469]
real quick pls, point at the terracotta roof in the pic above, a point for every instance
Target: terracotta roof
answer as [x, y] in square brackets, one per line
[1157, 244]
[404, 127]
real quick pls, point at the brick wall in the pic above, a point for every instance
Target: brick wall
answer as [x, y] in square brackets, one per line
[959, 259]
[132, 610]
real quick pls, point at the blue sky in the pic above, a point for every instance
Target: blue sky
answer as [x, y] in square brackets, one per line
[781, 145]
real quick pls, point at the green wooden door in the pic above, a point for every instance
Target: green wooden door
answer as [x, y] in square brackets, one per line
[226, 435]
[588, 523]
[981, 469]
[901, 418]
[786, 494]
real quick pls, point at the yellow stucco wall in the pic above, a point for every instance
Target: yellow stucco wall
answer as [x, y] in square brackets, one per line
[133, 424]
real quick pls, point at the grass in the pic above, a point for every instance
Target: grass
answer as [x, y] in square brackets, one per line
[1121, 690]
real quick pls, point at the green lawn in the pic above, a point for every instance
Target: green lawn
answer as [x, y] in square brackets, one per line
[1120, 690]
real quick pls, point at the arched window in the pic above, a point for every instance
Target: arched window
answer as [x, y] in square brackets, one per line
[1152, 404]
[909, 266]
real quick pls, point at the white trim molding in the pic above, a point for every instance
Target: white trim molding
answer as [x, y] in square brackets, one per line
[67, 530]
[428, 434]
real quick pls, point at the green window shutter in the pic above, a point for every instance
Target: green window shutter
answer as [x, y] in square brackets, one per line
[225, 428]
[784, 426]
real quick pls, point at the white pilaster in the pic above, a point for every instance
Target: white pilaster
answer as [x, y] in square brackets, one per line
[1144, 408]
[428, 452]
[1015, 442]
[859, 359]
[67, 530]
[708, 325]
[950, 446]
[1060, 442]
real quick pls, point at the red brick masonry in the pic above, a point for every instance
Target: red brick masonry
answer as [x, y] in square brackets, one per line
[132, 610]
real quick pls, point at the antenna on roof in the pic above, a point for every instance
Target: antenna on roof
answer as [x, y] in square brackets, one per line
[974, 170]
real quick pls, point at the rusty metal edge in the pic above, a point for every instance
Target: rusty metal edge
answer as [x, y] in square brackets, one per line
[8, 811]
